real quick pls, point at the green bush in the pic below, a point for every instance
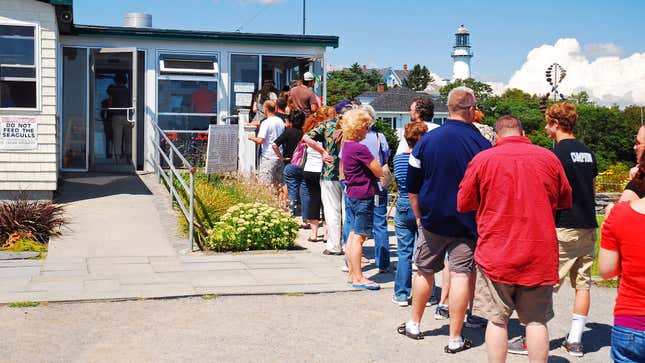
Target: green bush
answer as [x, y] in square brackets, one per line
[253, 226]
[215, 195]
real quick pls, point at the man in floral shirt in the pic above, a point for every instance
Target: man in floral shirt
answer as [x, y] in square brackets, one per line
[330, 187]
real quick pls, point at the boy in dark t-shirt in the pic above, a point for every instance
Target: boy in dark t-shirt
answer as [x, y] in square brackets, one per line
[576, 227]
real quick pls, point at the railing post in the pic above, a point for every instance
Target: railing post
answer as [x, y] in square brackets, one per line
[191, 221]
[172, 176]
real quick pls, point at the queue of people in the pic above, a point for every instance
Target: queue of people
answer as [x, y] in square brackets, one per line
[506, 225]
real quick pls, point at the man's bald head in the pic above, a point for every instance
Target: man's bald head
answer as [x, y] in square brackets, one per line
[508, 126]
[461, 103]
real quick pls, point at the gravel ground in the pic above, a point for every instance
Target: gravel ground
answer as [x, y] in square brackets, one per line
[340, 327]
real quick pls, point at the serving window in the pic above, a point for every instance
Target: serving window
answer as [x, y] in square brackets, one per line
[187, 92]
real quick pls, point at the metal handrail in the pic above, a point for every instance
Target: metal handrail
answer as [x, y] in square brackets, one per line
[172, 173]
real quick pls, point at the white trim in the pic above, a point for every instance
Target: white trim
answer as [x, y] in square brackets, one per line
[37, 64]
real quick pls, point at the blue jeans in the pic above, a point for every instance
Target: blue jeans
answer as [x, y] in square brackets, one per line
[627, 345]
[381, 239]
[293, 179]
[405, 226]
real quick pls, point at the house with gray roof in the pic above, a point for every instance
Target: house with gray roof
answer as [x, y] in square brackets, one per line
[393, 105]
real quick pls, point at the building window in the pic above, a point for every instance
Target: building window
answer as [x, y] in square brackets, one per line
[18, 85]
[187, 91]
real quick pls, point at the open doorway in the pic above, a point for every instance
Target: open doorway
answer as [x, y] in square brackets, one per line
[248, 73]
[116, 110]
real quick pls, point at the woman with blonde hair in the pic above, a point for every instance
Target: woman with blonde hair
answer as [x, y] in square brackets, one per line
[362, 171]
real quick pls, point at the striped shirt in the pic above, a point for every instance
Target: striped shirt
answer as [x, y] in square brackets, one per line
[401, 173]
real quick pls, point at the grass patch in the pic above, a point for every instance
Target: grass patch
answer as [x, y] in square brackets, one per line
[606, 283]
[594, 267]
[24, 304]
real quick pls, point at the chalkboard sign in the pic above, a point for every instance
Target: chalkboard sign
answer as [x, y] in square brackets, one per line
[222, 152]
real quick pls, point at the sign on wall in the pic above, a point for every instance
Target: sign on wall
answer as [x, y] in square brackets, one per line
[18, 133]
[222, 152]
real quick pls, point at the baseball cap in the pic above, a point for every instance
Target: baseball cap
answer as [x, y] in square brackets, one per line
[340, 106]
[309, 76]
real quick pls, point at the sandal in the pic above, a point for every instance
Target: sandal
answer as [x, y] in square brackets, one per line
[370, 285]
[467, 345]
[310, 239]
[403, 331]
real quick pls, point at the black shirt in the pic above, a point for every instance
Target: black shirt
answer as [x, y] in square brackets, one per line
[289, 141]
[120, 97]
[631, 186]
[579, 165]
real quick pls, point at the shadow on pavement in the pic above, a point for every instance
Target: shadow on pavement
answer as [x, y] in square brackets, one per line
[81, 186]
[598, 337]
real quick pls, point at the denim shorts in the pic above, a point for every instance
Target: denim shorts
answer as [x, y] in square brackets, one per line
[362, 218]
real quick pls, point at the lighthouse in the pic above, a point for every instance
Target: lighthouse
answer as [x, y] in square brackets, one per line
[461, 54]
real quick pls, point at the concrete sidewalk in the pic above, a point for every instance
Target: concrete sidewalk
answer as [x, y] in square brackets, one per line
[122, 244]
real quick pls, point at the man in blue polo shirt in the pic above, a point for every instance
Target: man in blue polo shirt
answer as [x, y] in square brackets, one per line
[437, 165]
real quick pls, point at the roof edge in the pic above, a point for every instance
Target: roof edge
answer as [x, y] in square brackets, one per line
[203, 36]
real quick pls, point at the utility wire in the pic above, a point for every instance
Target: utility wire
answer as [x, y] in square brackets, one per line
[239, 28]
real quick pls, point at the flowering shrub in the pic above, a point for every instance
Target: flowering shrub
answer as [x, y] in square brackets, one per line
[614, 179]
[253, 226]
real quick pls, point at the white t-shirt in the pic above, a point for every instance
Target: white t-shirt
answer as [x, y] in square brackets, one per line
[314, 162]
[270, 129]
[403, 145]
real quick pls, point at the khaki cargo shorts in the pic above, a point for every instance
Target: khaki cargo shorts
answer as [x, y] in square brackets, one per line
[430, 254]
[577, 251]
[496, 301]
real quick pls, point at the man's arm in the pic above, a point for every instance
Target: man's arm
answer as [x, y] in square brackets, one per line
[414, 181]
[414, 203]
[255, 139]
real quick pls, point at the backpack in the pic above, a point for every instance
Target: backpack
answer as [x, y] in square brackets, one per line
[299, 156]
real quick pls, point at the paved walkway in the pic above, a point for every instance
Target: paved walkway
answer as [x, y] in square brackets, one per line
[122, 244]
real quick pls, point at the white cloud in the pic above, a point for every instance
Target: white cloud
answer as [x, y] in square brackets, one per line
[607, 79]
[598, 50]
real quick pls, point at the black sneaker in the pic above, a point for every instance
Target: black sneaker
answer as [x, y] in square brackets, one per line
[517, 345]
[574, 349]
[475, 322]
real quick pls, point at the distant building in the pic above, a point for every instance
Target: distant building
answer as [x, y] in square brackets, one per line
[461, 54]
[395, 77]
[393, 105]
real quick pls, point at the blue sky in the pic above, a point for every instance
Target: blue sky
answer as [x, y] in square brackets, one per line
[391, 33]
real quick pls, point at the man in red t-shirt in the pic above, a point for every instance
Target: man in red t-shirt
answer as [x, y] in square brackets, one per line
[515, 188]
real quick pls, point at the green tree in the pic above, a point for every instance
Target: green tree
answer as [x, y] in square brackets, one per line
[482, 90]
[580, 98]
[346, 84]
[419, 78]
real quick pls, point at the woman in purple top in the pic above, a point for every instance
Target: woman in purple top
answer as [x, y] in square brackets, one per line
[361, 171]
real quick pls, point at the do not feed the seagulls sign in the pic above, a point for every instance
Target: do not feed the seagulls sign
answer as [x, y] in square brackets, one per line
[18, 133]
